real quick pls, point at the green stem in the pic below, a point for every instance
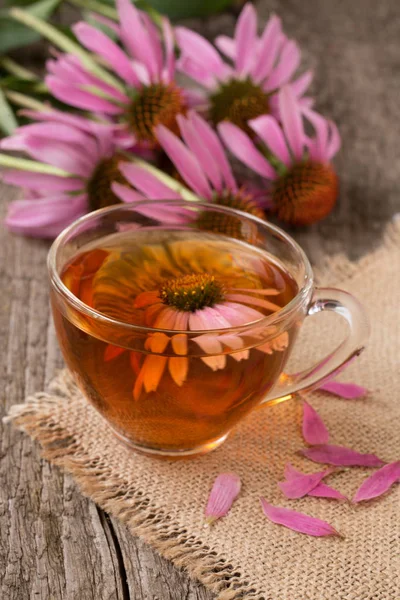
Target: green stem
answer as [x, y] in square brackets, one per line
[23, 164]
[26, 101]
[15, 69]
[7, 117]
[98, 7]
[65, 43]
[167, 180]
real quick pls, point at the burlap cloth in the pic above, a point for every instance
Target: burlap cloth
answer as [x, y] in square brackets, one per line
[244, 555]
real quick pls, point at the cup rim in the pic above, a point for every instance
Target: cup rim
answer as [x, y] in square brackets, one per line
[57, 283]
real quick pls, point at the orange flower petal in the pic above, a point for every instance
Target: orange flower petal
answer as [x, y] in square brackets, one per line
[134, 358]
[112, 352]
[157, 342]
[153, 369]
[178, 368]
[179, 344]
[215, 362]
[137, 390]
[147, 299]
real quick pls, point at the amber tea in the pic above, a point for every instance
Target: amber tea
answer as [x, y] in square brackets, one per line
[159, 385]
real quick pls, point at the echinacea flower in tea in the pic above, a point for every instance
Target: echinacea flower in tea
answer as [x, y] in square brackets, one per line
[303, 186]
[245, 84]
[186, 344]
[207, 295]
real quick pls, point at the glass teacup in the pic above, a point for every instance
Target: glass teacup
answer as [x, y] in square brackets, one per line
[177, 318]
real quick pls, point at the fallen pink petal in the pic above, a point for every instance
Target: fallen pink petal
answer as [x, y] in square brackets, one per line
[225, 490]
[297, 521]
[341, 456]
[297, 486]
[322, 490]
[349, 391]
[379, 482]
[314, 429]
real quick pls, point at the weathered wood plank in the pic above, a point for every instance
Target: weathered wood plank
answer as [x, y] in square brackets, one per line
[53, 542]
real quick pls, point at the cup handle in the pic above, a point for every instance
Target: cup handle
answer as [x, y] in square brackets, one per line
[345, 305]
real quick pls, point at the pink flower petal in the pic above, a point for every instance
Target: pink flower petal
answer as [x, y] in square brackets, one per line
[97, 41]
[379, 482]
[40, 181]
[289, 61]
[268, 49]
[125, 193]
[225, 490]
[297, 521]
[226, 45]
[214, 147]
[185, 161]
[147, 183]
[302, 83]
[243, 148]
[268, 129]
[199, 147]
[141, 42]
[349, 391]
[334, 140]
[341, 456]
[79, 98]
[322, 490]
[300, 485]
[314, 429]
[168, 36]
[292, 121]
[246, 39]
[45, 217]
[200, 51]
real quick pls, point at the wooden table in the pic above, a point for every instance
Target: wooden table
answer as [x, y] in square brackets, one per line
[54, 543]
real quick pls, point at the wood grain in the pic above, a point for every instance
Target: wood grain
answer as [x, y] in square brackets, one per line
[54, 543]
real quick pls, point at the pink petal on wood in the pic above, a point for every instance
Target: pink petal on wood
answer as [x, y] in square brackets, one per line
[341, 456]
[297, 521]
[224, 491]
[379, 482]
[300, 485]
[349, 391]
[314, 429]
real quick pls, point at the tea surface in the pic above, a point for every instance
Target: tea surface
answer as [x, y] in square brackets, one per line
[166, 391]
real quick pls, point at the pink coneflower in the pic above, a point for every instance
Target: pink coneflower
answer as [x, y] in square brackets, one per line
[193, 302]
[200, 160]
[303, 185]
[74, 162]
[244, 87]
[144, 94]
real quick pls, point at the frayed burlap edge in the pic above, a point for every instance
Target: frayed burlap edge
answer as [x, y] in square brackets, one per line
[116, 496]
[36, 417]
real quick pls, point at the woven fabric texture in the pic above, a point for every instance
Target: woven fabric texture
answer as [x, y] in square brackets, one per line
[244, 555]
